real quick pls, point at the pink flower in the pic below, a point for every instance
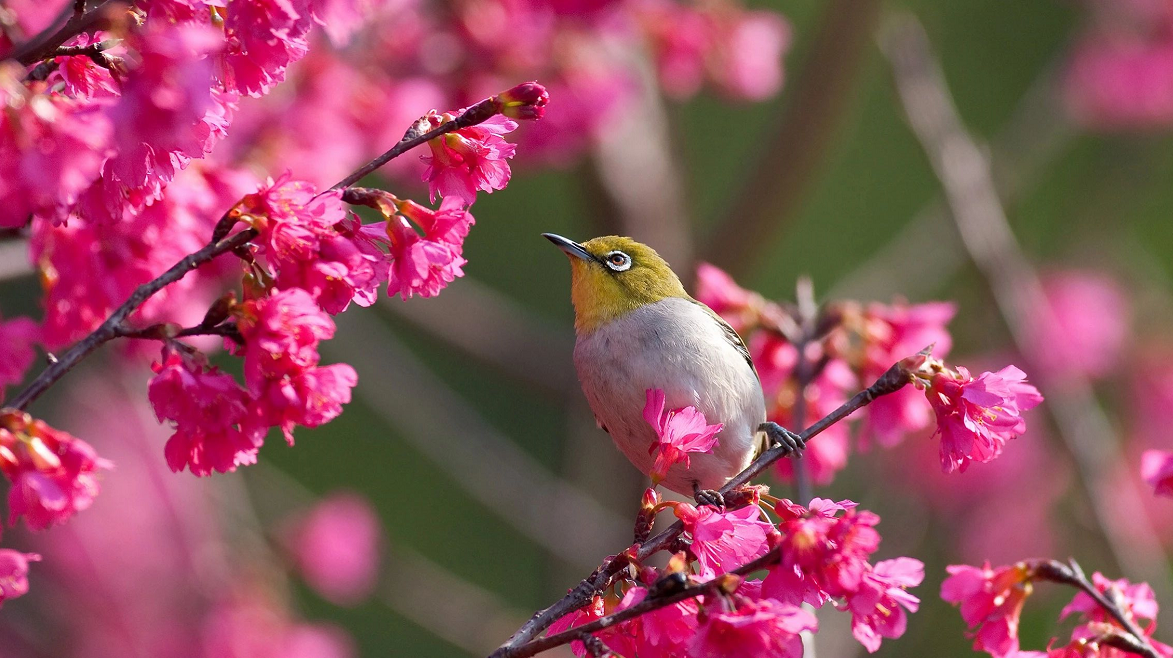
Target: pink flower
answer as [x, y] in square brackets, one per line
[717, 290]
[207, 409]
[976, 417]
[680, 432]
[763, 628]
[17, 337]
[824, 555]
[84, 79]
[166, 116]
[665, 631]
[281, 334]
[310, 398]
[877, 608]
[722, 541]
[1136, 601]
[526, 101]
[14, 571]
[991, 602]
[1087, 325]
[748, 58]
[51, 150]
[592, 611]
[53, 475]
[469, 159]
[336, 547]
[1156, 467]
[891, 333]
[424, 265]
[315, 244]
[263, 38]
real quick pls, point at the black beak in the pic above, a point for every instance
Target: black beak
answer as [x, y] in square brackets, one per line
[571, 247]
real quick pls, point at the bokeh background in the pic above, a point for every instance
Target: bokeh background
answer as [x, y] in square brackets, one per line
[468, 468]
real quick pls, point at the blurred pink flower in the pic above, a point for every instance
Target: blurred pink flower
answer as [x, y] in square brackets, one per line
[1136, 601]
[14, 570]
[252, 627]
[1086, 328]
[53, 475]
[208, 409]
[424, 265]
[281, 332]
[976, 417]
[167, 115]
[51, 149]
[877, 607]
[336, 547]
[17, 337]
[469, 159]
[680, 432]
[717, 290]
[1156, 467]
[891, 333]
[991, 603]
[764, 628]
[263, 38]
[722, 541]
[748, 58]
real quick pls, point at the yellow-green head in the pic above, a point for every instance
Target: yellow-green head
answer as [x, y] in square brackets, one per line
[613, 275]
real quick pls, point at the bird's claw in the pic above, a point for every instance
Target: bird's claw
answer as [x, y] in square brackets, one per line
[780, 436]
[708, 497]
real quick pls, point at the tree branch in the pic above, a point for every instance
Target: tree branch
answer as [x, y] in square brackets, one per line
[964, 171]
[890, 382]
[46, 43]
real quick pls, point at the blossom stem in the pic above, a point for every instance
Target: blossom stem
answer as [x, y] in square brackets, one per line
[109, 329]
[46, 43]
[417, 135]
[1072, 574]
[891, 381]
[649, 604]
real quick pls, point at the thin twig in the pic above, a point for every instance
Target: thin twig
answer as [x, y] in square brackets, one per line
[791, 158]
[110, 328]
[1072, 574]
[890, 382]
[643, 607]
[44, 44]
[964, 171]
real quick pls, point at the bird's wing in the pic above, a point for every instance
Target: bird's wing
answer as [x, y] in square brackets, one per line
[731, 336]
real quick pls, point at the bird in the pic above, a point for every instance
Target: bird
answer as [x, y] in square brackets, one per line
[637, 329]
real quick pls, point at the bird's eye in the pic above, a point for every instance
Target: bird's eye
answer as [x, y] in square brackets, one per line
[618, 261]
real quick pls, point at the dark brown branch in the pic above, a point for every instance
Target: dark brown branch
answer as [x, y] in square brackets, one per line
[46, 43]
[775, 186]
[109, 329]
[1072, 574]
[643, 607]
[890, 382]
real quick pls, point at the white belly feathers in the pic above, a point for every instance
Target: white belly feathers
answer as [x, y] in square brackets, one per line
[676, 346]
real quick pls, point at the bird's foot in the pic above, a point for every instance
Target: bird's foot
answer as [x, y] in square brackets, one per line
[780, 436]
[707, 496]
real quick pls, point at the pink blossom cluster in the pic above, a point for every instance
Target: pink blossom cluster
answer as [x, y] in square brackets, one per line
[823, 555]
[432, 54]
[974, 417]
[991, 602]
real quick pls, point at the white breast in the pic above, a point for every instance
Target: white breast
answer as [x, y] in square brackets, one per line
[674, 345]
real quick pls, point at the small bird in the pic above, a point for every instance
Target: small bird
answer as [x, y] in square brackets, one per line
[637, 329]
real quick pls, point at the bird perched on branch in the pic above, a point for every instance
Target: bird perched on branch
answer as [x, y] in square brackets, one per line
[638, 329]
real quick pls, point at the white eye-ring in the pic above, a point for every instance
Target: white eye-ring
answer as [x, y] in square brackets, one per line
[618, 261]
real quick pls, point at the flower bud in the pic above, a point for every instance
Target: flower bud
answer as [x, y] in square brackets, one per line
[525, 101]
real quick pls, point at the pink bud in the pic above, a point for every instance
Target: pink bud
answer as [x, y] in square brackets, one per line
[525, 101]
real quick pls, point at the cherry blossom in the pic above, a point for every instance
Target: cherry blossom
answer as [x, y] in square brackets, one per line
[14, 569]
[469, 160]
[754, 628]
[977, 416]
[336, 546]
[991, 603]
[722, 541]
[1156, 467]
[680, 432]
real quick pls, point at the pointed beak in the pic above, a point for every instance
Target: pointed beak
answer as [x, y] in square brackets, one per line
[571, 247]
